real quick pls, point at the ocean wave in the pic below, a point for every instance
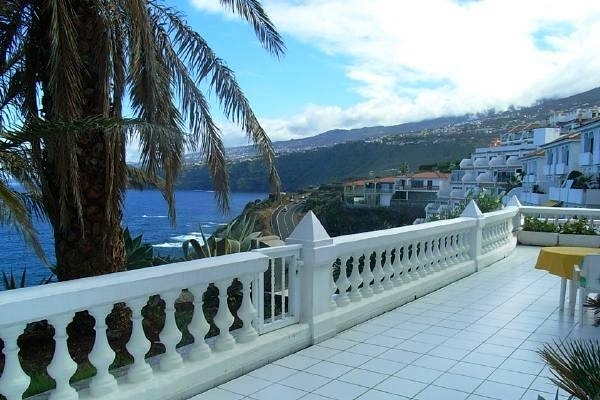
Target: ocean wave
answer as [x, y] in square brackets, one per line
[155, 216]
[168, 245]
[183, 238]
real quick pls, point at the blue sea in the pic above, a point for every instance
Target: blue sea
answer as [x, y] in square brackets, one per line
[145, 213]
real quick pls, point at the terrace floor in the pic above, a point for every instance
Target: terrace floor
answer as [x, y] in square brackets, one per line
[475, 339]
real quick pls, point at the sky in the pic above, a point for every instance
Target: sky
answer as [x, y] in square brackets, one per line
[356, 63]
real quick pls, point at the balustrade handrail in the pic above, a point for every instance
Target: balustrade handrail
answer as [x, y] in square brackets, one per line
[41, 302]
[553, 211]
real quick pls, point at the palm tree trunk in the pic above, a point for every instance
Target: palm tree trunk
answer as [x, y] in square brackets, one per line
[85, 208]
[97, 247]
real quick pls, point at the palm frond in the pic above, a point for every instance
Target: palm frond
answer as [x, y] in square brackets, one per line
[253, 12]
[575, 366]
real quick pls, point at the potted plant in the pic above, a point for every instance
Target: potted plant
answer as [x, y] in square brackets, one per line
[578, 232]
[538, 232]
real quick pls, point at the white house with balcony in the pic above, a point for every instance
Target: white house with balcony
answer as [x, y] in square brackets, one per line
[493, 166]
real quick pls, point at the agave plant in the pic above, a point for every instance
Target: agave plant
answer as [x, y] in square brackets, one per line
[575, 367]
[236, 237]
[139, 255]
[9, 282]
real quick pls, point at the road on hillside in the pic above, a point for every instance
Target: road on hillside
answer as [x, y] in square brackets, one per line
[284, 221]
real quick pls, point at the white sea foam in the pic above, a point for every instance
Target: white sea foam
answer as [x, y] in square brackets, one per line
[155, 216]
[167, 245]
[183, 238]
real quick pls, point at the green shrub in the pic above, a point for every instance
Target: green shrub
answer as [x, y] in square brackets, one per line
[577, 226]
[534, 224]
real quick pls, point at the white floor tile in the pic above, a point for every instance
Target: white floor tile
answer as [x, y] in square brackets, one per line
[272, 372]
[328, 369]
[426, 337]
[402, 387]
[367, 349]
[278, 392]
[402, 356]
[349, 359]
[437, 393]
[379, 395]
[527, 367]
[217, 394]
[382, 366]
[296, 361]
[245, 385]
[415, 346]
[419, 374]
[341, 390]
[500, 391]
[318, 352]
[472, 370]
[437, 363]
[458, 382]
[488, 360]
[511, 378]
[449, 352]
[363, 377]
[305, 381]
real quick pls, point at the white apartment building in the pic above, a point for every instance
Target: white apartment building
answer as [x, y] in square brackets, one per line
[494, 166]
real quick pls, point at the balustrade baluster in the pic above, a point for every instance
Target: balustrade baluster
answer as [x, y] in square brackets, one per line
[411, 273]
[198, 326]
[283, 286]
[13, 381]
[170, 335]
[451, 249]
[272, 266]
[403, 265]
[367, 276]
[437, 255]
[428, 257]
[377, 272]
[342, 284]
[224, 319]
[138, 344]
[465, 245]
[102, 355]
[388, 271]
[396, 266]
[444, 253]
[247, 312]
[355, 278]
[420, 259]
[332, 290]
[62, 367]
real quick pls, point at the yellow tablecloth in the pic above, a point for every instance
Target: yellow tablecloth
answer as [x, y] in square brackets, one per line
[559, 260]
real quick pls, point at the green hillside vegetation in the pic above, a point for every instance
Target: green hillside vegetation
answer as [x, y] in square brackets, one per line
[341, 162]
[326, 203]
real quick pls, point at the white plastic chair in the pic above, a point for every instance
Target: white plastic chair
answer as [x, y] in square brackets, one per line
[588, 278]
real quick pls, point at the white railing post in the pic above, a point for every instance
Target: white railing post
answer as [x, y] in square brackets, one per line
[516, 220]
[102, 355]
[13, 381]
[318, 254]
[475, 237]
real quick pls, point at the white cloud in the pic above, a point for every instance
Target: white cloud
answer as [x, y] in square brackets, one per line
[416, 59]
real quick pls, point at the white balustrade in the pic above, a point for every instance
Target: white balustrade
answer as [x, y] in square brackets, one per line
[13, 381]
[138, 344]
[367, 276]
[343, 284]
[246, 312]
[392, 260]
[355, 278]
[102, 355]
[170, 335]
[223, 319]
[62, 367]
[388, 271]
[198, 326]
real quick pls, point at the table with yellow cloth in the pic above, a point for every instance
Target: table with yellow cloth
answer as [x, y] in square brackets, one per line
[559, 261]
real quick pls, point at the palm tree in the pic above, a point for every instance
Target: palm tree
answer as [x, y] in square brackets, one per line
[66, 61]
